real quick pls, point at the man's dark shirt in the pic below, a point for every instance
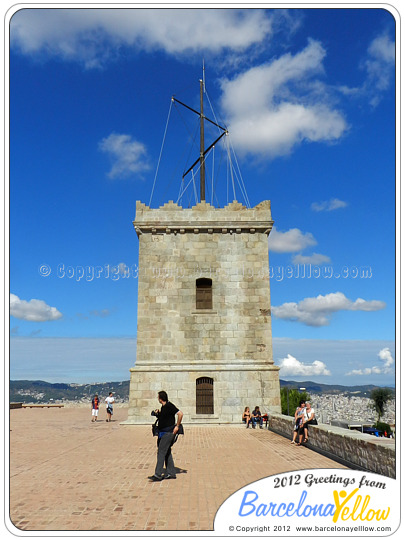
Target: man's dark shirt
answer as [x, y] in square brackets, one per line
[167, 415]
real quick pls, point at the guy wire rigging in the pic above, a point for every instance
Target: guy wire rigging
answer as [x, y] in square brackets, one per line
[204, 152]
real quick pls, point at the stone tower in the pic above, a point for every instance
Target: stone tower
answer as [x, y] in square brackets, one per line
[204, 316]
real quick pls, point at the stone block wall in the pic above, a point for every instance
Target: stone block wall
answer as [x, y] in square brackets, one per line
[356, 449]
[231, 342]
[234, 389]
[178, 246]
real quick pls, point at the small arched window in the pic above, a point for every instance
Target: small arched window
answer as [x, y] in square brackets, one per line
[204, 293]
[205, 395]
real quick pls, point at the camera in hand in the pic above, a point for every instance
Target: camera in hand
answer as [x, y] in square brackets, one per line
[155, 429]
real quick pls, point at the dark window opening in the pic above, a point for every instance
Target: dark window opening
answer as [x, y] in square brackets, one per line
[205, 395]
[204, 293]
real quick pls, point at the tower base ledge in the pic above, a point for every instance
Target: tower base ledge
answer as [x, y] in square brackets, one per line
[253, 365]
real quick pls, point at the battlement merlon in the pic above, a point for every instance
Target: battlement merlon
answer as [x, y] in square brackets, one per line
[203, 217]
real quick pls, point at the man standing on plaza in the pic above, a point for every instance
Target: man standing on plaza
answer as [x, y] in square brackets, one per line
[168, 429]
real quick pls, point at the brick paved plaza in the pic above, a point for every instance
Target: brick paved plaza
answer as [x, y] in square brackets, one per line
[69, 474]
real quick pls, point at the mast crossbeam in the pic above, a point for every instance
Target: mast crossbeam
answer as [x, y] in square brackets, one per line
[199, 114]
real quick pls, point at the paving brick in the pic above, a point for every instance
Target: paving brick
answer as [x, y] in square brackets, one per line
[69, 474]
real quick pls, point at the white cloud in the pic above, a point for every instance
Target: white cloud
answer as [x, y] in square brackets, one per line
[328, 206]
[367, 371]
[379, 65]
[367, 305]
[34, 310]
[128, 156]
[386, 357]
[93, 36]
[275, 106]
[291, 366]
[316, 311]
[340, 356]
[387, 360]
[315, 258]
[290, 241]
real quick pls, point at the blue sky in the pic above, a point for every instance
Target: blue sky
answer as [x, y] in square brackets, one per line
[308, 96]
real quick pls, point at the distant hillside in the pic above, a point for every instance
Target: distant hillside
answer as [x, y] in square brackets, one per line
[319, 388]
[44, 392]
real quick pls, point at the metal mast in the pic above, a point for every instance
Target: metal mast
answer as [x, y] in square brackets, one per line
[203, 152]
[202, 159]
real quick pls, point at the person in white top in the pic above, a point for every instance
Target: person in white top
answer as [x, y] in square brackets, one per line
[308, 418]
[109, 400]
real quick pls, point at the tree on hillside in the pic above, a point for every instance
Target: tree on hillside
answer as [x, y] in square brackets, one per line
[290, 399]
[380, 397]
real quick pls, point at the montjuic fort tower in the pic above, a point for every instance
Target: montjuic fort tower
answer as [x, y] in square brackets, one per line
[204, 315]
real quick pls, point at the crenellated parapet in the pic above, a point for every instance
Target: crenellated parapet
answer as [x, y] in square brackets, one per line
[203, 217]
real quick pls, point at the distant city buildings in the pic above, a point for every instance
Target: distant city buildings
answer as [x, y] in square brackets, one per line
[353, 408]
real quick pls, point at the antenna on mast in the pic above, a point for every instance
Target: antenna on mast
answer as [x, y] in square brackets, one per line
[202, 159]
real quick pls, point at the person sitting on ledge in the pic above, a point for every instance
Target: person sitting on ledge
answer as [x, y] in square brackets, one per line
[299, 414]
[257, 417]
[246, 417]
[308, 419]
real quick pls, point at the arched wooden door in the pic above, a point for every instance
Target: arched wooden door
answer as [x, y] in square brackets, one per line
[205, 395]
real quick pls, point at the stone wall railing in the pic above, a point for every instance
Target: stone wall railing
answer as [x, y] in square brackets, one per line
[15, 405]
[351, 448]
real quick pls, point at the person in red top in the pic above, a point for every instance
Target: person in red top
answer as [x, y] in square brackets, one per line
[95, 404]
